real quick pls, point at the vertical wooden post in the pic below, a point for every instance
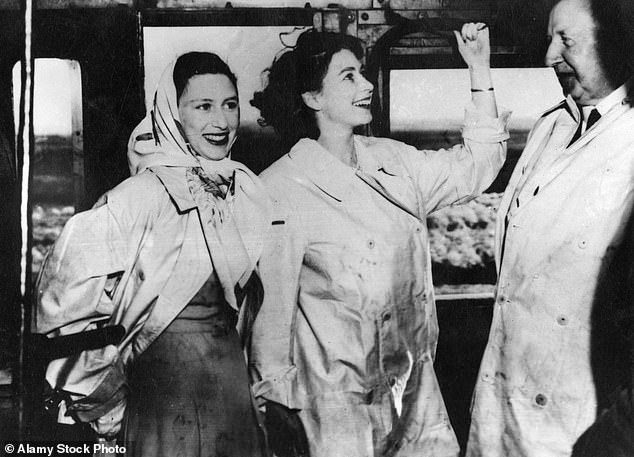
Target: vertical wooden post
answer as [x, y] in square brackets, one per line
[25, 145]
[77, 139]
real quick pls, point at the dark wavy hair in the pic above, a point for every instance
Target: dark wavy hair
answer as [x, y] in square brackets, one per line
[299, 70]
[199, 63]
[614, 21]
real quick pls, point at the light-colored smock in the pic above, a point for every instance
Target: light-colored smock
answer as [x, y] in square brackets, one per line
[135, 260]
[541, 379]
[347, 332]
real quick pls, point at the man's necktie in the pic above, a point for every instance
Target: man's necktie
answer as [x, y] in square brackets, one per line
[592, 119]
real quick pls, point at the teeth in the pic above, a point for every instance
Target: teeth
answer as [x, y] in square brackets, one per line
[217, 138]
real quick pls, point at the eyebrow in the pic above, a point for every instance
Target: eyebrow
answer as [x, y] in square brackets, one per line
[204, 99]
[347, 69]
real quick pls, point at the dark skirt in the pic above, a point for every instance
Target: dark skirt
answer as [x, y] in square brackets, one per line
[190, 395]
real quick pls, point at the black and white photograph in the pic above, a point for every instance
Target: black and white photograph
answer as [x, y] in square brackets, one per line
[289, 228]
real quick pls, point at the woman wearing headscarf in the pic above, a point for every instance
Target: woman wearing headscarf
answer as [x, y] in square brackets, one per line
[168, 254]
[345, 341]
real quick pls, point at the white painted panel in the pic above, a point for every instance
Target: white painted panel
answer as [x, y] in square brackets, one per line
[434, 100]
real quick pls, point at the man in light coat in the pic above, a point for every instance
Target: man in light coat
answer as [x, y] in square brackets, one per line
[612, 434]
[553, 355]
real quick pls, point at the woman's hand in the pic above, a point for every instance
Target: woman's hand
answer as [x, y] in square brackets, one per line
[473, 44]
[110, 423]
[285, 431]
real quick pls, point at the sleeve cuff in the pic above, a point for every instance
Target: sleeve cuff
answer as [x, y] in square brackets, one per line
[110, 393]
[276, 388]
[110, 423]
[483, 128]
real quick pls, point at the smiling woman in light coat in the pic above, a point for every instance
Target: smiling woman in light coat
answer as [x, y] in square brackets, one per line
[345, 340]
[166, 254]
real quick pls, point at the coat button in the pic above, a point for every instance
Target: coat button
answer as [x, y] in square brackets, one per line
[141, 276]
[371, 244]
[582, 244]
[562, 320]
[418, 229]
[541, 400]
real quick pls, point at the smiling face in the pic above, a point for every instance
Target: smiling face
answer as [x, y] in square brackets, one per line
[573, 54]
[344, 99]
[210, 114]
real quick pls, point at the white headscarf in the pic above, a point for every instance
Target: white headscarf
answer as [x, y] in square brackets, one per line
[235, 242]
[158, 140]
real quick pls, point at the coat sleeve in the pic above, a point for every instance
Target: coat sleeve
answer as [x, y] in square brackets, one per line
[76, 292]
[271, 356]
[458, 174]
[71, 288]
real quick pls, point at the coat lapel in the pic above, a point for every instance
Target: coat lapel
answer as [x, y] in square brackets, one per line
[381, 173]
[537, 143]
[576, 149]
[324, 170]
[385, 175]
[385, 186]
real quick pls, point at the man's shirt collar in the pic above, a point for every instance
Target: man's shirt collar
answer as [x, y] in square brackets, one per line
[616, 97]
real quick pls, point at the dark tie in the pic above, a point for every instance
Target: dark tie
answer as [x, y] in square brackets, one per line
[592, 119]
